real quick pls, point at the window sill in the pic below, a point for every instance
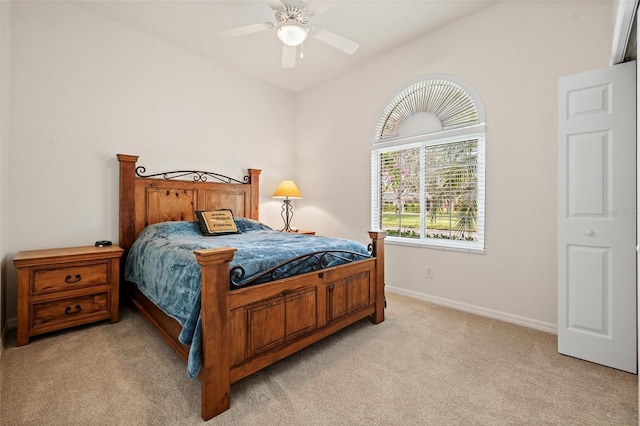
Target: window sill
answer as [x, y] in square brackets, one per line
[428, 245]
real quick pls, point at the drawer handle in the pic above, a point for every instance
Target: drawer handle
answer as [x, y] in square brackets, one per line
[76, 310]
[70, 281]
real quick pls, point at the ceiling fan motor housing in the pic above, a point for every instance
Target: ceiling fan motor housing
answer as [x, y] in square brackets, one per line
[292, 13]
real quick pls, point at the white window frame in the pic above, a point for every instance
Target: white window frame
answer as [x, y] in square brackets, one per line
[476, 131]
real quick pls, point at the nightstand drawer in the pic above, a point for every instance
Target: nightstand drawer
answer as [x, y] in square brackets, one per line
[69, 277]
[72, 310]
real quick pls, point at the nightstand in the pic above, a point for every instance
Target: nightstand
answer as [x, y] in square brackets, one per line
[65, 287]
[303, 231]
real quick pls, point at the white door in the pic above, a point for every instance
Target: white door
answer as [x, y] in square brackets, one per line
[597, 217]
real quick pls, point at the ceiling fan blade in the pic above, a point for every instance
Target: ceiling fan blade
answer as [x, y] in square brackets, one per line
[288, 56]
[275, 4]
[247, 29]
[317, 8]
[335, 40]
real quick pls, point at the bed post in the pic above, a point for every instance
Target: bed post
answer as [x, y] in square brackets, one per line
[254, 176]
[127, 200]
[215, 379]
[377, 238]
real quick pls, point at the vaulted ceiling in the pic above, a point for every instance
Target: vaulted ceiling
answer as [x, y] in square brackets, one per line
[377, 26]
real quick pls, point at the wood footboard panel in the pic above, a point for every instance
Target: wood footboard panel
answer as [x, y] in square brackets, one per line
[272, 321]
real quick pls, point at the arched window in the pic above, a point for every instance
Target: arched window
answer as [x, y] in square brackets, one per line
[427, 166]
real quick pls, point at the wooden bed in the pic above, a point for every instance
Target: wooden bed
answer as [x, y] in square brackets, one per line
[246, 329]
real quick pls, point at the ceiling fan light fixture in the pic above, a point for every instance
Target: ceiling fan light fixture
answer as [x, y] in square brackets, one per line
[292, 33]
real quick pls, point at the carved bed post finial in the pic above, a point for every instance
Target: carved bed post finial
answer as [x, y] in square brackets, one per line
[127, 200]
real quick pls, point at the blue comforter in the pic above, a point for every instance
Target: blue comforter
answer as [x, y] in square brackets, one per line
[162, 264]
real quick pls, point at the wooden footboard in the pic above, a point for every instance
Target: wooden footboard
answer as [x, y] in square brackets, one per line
[246, 329]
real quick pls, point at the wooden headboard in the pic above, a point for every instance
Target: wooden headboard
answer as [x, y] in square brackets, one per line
[163, 197]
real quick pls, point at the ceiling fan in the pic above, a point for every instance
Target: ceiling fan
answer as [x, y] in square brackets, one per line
[292, 28]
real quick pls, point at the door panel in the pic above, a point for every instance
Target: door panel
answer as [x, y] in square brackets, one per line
[588, 183]
[588, 288]
[597, 217]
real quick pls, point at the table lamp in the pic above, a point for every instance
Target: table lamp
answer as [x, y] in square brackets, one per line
[287, 190]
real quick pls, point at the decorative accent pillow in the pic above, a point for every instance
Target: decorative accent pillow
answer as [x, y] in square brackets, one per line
[216, 222]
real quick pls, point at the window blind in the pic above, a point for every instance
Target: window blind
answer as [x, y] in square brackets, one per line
[431, 193]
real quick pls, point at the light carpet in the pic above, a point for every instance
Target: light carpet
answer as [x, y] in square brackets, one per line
[424, 365]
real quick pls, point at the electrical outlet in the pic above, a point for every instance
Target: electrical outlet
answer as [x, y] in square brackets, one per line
[429, 273]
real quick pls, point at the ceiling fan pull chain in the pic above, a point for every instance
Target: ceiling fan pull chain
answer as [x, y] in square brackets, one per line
[302, 51]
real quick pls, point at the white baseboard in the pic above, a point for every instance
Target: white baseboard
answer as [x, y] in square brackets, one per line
[502, 316]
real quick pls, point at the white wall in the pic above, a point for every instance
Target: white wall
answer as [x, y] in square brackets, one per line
[5, 49]
[512, 54]
[85, 88]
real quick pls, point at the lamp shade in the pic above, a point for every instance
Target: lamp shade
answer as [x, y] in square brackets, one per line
[287, 189]
[291, 33]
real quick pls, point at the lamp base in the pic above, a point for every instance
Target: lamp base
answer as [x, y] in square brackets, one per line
[287, 215]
